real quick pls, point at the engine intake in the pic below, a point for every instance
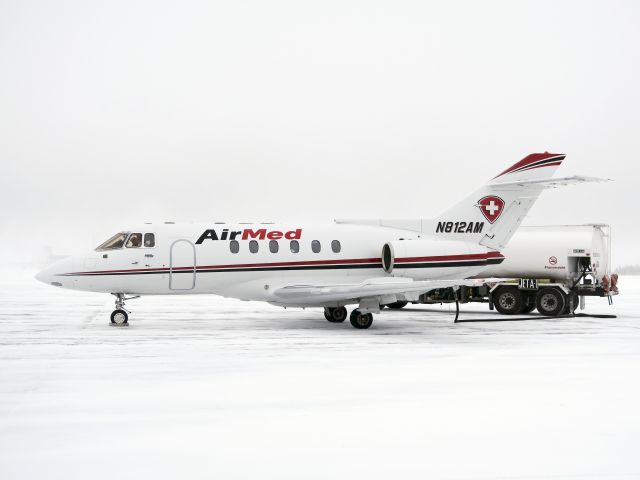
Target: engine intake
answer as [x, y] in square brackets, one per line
[387, 257]
[429, 255]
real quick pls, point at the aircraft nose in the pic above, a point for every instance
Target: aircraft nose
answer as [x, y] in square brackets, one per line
[52, 275]
[42, 276]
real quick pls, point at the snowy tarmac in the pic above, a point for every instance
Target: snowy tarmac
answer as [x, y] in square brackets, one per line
[207, 387]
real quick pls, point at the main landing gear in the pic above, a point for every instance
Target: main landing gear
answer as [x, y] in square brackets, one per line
[335, 315]
[358, 319]
[120, 316]
[361, 320]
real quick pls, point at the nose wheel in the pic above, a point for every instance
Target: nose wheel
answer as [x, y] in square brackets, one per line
[120, 316]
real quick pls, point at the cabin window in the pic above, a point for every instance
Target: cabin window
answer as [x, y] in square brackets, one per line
[315, 246]
[253, 246]
[273, 246]
[234, 246]
[149, 240]
[294, 246]
[134, 241]
[335, 246]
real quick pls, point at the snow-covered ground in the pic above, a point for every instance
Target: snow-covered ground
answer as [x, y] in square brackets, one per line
[205, 387]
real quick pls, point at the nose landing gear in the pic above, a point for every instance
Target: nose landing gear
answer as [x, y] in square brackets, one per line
[120, 316]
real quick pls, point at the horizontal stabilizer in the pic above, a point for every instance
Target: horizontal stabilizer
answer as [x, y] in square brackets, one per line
[490, 215]
[548, 183]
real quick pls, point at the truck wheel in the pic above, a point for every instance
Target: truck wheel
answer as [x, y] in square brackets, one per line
[508, 300]
[528, 302]
[550, 302]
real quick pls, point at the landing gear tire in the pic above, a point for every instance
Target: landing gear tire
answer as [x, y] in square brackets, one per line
[335, 315]
[551, 302]
[508, 300]
[361, 320]
[397, 305]
[119, 317]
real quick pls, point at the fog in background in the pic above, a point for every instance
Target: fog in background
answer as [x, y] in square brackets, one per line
[116, 113]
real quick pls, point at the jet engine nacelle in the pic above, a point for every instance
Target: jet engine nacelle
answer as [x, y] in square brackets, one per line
[433, 254]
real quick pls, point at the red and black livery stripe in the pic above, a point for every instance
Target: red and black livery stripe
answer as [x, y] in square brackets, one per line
[465, 260]
[441, 261]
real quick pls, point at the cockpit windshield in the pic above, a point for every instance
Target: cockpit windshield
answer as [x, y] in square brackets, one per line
[117, 241]
[129, 240]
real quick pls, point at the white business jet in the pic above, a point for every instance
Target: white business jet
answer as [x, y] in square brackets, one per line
[347, 262]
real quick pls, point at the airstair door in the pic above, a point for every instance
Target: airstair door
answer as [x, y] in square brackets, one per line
[182, 265]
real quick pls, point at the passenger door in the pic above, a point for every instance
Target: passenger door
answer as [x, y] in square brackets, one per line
[182, 265]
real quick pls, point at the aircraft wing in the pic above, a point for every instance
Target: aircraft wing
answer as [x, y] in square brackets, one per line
[367, 290]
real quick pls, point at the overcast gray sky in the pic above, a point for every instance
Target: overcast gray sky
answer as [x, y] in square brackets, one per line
[113, 113]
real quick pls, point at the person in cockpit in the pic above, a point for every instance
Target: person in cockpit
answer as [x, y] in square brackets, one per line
[134, 240]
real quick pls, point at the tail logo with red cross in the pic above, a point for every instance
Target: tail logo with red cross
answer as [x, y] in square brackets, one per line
[491, 207]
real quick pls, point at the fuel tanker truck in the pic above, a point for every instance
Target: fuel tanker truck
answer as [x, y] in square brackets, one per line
[548, 268]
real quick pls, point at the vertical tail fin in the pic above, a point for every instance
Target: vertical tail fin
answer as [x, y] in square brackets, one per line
[491, 214]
